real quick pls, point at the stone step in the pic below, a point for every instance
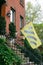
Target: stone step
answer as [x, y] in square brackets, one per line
[28, 63]
[21, 55]
[18, 51]
[14, 47]
[25, 60]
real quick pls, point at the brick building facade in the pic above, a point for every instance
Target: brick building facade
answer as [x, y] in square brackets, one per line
[14, 11]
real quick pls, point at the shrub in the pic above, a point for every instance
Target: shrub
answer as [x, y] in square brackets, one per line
[7, 55]
[2, 25]
[12, 30]
[2, 2]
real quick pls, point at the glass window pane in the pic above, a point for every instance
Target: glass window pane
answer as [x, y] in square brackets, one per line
[12, 15]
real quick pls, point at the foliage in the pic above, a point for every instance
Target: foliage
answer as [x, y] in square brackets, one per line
[33, 13]
[2, 25]
[12, 30]
[2, 2]
[42, 55]
[7, 55]
[39, 30]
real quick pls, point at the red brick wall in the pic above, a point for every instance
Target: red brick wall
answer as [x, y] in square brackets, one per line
[20, 10]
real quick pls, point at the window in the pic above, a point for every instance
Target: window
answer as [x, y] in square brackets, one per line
[22, 2]
[12, 15]
[21, 22]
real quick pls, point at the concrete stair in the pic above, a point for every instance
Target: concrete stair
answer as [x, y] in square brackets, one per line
[21, 55]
